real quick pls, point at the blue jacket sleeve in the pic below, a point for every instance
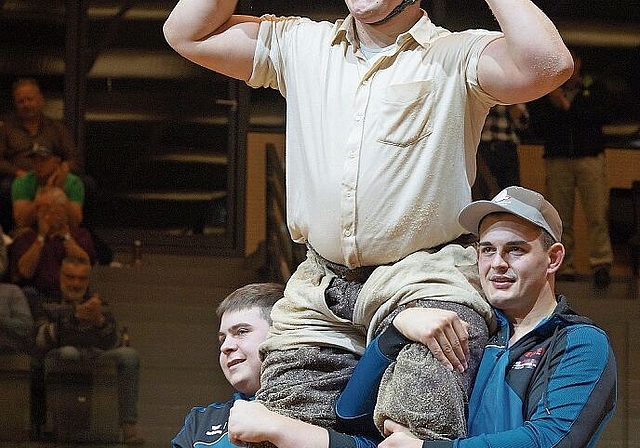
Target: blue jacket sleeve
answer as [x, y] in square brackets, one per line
[354, 408]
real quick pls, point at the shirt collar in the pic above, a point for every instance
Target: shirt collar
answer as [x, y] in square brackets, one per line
[422, 32]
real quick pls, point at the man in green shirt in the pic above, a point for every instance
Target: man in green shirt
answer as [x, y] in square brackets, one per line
[49, 180]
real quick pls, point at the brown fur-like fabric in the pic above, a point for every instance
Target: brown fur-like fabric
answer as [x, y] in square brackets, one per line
[419, 393]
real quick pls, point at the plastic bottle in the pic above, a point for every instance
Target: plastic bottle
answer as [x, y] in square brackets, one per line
[125, 340]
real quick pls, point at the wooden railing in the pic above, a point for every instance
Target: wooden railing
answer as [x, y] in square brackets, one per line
[283, 255]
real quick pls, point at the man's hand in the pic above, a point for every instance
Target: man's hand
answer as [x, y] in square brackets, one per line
[441, 331]
[91, 310]
[59, 176]
[250, 421]
[398, 436]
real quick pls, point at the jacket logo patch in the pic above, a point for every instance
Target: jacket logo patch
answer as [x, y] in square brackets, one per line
[215, 430]
[529, 360]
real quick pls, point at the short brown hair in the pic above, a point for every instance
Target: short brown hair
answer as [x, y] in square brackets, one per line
[253, 295]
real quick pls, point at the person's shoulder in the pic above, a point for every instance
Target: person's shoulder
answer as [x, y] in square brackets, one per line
[26, 179]
[587, 338]
[295, 24]
[74, 181]
[73, 177]
[50, 121]
[214, 408]
[9, 120]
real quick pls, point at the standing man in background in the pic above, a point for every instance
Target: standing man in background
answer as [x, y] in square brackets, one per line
[499, 144]
[384, 114]
[570, 121]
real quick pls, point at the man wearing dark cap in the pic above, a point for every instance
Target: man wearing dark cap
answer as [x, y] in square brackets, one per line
[49, 180]
[548, 375]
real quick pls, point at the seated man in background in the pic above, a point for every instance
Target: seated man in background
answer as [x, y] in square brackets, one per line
[81, 326]
[36, 255]
[20, 131]
[548, 376]
[50, 172]
[16, 323]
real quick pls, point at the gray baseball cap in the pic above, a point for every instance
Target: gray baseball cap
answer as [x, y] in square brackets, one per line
[519, 201]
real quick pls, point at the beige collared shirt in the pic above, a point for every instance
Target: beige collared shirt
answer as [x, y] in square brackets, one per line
[380, 153]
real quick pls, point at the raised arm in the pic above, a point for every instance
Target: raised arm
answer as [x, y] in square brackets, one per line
[530, 61]
[208, 33]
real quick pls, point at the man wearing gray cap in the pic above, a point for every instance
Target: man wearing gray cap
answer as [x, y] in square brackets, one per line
[548, 375]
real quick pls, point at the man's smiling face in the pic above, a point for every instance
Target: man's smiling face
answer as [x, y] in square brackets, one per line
[241, 333]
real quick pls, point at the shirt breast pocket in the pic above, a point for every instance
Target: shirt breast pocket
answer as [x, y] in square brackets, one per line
[404, 113]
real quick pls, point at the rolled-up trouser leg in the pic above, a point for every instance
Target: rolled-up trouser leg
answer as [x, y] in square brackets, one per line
[418, 392]
[305, 383]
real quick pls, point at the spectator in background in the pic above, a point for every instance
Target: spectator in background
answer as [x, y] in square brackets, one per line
[16, 323]
[36, 255]
[29, 128]
[23, 130]
[50, 175]
[570, 121]
[499, 144]
[80, 325]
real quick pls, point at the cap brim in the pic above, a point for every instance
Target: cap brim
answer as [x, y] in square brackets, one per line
[471, 216]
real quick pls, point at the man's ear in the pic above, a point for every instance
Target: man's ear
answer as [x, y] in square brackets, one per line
[556, 257]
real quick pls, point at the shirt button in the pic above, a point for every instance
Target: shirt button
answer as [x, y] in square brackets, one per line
[347, 232]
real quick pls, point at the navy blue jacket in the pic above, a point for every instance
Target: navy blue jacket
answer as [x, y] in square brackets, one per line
[208, 426]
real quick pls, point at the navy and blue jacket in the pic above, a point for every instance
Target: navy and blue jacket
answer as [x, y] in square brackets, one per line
[554, 387]
[205, 427]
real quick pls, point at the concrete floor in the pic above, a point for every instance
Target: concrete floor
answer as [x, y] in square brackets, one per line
[168, 304]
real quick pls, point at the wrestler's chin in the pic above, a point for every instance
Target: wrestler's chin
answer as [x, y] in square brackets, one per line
[371, 11]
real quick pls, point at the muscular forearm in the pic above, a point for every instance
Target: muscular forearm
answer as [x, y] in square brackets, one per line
[290, 433]
[532, 55]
